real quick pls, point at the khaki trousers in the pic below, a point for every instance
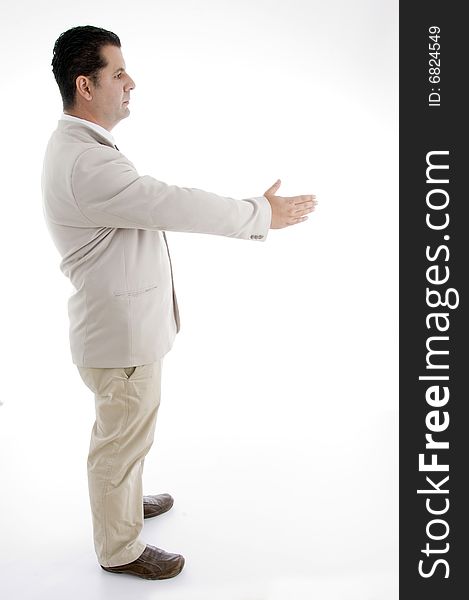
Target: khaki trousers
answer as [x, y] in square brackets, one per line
[127, 402]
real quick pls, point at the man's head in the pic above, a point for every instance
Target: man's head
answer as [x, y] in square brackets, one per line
[90, 71]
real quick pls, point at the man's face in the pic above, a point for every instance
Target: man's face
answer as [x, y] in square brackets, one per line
[109, 102]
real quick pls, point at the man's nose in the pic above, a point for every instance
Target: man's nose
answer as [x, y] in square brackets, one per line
[131, 84]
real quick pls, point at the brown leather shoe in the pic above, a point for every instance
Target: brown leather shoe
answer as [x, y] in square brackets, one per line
[156, 505]
[153, 563]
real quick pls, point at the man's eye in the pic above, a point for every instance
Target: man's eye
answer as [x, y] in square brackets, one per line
[118, 75]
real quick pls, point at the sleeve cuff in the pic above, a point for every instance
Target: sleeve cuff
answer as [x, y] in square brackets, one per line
[262, 224]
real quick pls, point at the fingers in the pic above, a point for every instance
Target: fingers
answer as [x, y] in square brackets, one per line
[302, 208]
[296, 220]
[305, 207]
[303, 199]
[299, 207]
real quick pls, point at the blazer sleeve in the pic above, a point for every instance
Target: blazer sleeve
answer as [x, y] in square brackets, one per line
[109, 192]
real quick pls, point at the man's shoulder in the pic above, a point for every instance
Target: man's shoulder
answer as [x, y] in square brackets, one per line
[70, 142]
[77, 138]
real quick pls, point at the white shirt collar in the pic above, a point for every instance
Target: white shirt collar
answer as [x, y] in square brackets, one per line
[95, 126]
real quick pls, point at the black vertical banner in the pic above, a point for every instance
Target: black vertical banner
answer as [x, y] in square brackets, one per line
[434, 256]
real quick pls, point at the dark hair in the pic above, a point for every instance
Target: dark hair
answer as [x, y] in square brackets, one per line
[78, 52]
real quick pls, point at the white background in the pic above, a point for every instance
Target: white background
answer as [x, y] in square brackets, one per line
[277, 432]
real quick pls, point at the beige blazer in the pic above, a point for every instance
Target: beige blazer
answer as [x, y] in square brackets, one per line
[108, 223]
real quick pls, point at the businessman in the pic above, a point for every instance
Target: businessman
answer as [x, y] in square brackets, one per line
[108, 224]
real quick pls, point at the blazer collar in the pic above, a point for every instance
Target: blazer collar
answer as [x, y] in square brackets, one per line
[83, 132]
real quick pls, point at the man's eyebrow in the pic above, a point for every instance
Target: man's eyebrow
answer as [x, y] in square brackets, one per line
[119, 69]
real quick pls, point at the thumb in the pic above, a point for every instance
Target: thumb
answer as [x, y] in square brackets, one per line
[274, 187]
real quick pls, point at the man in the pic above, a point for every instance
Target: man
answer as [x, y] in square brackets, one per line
[108, 223]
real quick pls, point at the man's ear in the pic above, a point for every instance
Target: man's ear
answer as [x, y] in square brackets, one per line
[84, 86]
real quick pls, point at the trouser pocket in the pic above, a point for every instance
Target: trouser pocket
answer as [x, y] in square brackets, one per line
[129, 371]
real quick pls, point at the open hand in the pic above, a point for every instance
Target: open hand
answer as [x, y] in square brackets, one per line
[288, 210]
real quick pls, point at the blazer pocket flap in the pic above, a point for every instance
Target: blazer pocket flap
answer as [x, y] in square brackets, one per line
[134, 292]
